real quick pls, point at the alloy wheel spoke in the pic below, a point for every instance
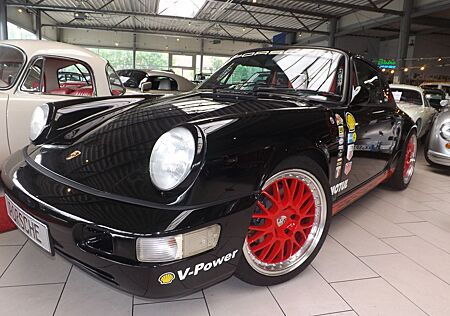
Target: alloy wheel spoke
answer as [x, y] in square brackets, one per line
[255, 237]
[267, 242]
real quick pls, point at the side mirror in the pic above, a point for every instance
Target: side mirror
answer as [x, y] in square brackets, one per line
[360, 96]
[444, 103]
[146, 86]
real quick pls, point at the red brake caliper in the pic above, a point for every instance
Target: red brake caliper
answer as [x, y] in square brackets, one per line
[283, 220]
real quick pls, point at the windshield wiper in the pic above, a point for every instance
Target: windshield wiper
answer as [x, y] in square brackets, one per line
[320, 93]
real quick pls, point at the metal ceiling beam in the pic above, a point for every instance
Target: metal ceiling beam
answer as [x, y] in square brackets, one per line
[154, 32]
[333, 4]
[280, 8]
[432, 21]
[165, 17]
[427, 9]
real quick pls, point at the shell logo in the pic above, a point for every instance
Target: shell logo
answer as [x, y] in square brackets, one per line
[351, 122]
[166, 278]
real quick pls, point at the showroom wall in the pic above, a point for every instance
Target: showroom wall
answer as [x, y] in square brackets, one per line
[27, 21]
[125, 40]
[365, 46]
[424, 50]
[152, 42]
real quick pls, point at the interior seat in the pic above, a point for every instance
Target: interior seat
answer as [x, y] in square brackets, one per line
[84, 92]
[60, 91]
[164, 84]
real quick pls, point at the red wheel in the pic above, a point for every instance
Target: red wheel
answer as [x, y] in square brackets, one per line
[288, 226]
[410, 159]
[405, 167]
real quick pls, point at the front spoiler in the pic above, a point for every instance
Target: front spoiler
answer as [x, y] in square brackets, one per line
[117, 264]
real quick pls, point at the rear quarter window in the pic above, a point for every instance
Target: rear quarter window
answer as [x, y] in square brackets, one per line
[12, 61]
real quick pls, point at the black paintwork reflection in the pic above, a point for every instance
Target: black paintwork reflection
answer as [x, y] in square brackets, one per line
[114, 154]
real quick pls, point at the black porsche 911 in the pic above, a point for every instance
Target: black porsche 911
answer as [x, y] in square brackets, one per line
[164, 197]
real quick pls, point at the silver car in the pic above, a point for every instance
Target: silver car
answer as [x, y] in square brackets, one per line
[437, 147]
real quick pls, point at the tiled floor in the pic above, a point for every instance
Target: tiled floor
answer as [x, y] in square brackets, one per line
[388, 254]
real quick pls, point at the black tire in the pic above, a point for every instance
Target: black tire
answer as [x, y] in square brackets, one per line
[397, 180]
[248, 273]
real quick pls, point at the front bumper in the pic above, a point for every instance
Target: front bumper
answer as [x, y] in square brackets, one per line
[439, 158]
[97, 234]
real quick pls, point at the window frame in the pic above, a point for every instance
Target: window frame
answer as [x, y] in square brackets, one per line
[109, 83]
[44, 57]
[29, 68]
[21, 70]
[348, 61]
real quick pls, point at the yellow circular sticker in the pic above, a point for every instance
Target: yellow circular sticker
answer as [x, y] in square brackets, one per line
[351, 122]
[354, 137]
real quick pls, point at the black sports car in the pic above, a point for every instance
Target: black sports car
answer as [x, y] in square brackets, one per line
[165, 197]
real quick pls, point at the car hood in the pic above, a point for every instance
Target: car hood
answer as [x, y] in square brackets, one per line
[111, 153]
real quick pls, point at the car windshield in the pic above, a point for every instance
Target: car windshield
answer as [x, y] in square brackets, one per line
[408, 96]
[11, 62]
[313, 73]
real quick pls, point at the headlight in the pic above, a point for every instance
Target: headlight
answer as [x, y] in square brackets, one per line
[445, 131]
[172, 157]
[38, 121]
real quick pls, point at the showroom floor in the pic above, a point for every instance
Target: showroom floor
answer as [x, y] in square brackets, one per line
[389, 254]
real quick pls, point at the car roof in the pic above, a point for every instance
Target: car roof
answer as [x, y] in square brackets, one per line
[445, 83]
[42, 47]
[406, 87]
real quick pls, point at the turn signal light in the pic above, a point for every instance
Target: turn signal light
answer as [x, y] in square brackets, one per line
[447, 145]
[169, 248]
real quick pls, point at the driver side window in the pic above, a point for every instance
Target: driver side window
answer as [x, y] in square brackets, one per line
[369, 78]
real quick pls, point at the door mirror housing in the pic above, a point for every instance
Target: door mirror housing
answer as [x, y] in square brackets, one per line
[444, 103]
[146, 86]
[360, 96]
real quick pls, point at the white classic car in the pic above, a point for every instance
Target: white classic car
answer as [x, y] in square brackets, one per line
[154, 81]
[444, 86]
[36, 72]
[412, 100]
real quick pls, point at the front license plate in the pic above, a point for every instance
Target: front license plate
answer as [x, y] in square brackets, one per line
[34, 229]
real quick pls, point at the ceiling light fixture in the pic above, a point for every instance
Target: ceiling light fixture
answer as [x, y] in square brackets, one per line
[406, 69]
[439, 59]
[422, 68]
[392, 71]
[116, 43]
[20, 10]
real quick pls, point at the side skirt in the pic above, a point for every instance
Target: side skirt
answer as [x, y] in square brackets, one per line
[351, 197]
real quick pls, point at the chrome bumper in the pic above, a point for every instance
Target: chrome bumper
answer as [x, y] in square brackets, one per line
[438, 158]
